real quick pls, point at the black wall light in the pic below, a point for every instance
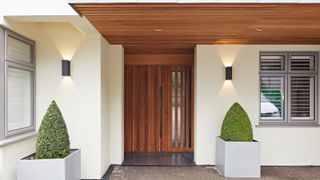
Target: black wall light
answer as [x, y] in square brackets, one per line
[229, 73]
[65, 67]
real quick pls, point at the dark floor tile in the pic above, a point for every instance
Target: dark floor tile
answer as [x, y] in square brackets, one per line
[158, 159]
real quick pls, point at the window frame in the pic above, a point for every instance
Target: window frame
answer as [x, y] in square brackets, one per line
[288, 73]
[5, 64]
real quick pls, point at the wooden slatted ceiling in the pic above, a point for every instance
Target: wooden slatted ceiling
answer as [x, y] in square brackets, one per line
[191, 24]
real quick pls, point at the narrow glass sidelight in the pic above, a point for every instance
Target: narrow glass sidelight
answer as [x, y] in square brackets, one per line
[178, 105]
[173, 106]
[181, 107]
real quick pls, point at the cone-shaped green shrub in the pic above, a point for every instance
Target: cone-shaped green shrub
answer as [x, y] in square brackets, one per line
[53, 139]
[236, 125]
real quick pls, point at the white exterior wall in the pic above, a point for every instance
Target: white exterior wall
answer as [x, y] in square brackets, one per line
[36, 7]
[77, 96]
[81, 97]
[112, 132]
[116, 104]
[214, 96]
[1, 164]
[105, 113]
[11, 153]
[92, 99]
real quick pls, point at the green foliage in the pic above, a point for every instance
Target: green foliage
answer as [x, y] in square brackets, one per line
[236, 125]
[53, 139]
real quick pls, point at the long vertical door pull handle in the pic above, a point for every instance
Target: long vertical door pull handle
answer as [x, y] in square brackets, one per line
[161, 113]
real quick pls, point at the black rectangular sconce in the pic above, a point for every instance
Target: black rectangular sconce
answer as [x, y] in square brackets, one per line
[229, 73]
[65, 67]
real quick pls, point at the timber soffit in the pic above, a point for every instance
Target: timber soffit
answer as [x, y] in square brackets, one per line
[188, 24]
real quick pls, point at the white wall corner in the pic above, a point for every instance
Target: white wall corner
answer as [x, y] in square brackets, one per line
[196, 160]
[116, 100]
[1, 20]
[1, 163]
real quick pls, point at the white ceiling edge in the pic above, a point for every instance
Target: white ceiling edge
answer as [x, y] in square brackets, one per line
[193, 1]
[80, 23]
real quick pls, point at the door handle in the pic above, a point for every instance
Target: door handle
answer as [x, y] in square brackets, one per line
[161, 113]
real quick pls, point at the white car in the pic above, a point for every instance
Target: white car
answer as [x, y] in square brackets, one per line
[268, 109]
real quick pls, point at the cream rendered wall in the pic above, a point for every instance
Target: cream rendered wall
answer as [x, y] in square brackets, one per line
[112, 119]
[214, 96]
[112, 131]
[105, 120]
[1, 164]
[12, 153]
[36, 7]
[116, 104]
[79, 96]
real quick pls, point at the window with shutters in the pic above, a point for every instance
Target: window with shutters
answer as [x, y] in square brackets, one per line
[17, 84]
[288, 87]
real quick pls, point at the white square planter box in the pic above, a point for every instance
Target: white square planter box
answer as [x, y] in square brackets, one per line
[238, 159]
[68, 168]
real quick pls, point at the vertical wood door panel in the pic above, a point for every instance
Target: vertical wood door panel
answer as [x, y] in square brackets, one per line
[158, 108]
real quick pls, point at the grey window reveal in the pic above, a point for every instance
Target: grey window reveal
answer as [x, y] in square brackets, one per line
[288, 88]
[17, 85]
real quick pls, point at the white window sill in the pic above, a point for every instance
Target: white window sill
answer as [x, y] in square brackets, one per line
[17, 138]
[287, 126]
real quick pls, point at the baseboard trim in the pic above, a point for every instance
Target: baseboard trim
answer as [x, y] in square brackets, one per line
[107, 174]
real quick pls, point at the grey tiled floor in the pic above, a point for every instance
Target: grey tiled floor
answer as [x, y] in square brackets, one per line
[208, 173]
[158, 159]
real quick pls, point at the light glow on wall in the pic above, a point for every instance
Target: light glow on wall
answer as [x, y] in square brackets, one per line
[66, 38]
[228, 90]
[67, 89]
[228, 53]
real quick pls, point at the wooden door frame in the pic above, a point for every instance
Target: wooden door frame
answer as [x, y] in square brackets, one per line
[172, 57]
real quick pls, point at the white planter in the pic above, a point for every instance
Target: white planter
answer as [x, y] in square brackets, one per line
[68, 168]
[238, 159]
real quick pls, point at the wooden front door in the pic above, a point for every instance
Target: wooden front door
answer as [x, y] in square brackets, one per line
[158, 108]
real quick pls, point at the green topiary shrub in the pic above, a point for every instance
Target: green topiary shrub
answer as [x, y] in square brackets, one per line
[53, 139]
[236, 125]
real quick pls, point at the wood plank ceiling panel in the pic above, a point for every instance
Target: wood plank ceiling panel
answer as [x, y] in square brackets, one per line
[190, 24]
